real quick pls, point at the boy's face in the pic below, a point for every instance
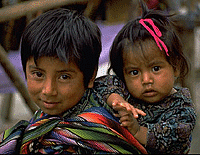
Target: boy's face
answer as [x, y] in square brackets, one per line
[54, 85]
[148, 77]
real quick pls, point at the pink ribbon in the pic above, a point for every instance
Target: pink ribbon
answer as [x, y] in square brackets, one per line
[157, 35]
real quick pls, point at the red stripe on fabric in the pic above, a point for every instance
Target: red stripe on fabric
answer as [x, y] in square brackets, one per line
[115, 127]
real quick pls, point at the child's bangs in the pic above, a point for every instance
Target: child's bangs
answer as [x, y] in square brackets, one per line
[137, 48]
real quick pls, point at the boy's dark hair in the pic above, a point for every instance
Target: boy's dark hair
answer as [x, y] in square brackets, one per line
[134, 32]
[65, 34]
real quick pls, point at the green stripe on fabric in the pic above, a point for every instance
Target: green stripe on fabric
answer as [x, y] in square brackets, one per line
[7, 133]
[92, 133]
[122, 150]
[39, 131]
[20, 124]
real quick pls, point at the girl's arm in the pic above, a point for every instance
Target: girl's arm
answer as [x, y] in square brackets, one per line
[106, 85]
[113, 90]
[128, 117]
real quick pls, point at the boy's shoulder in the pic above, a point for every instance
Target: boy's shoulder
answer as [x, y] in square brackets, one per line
[96, 100]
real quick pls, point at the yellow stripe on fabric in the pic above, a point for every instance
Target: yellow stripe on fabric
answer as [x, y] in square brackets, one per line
[88, 133]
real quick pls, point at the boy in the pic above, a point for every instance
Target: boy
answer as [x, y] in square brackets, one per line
[60, 51]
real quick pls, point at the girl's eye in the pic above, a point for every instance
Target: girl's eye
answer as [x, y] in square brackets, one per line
[64, 77]
[134, 72]
[156, 68]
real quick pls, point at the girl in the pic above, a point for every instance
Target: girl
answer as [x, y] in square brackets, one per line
[147, 56]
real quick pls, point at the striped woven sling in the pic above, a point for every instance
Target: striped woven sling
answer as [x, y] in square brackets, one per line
[93, 131]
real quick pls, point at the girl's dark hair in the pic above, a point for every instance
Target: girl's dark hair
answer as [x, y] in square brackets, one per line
[64, 34]
[134, 32]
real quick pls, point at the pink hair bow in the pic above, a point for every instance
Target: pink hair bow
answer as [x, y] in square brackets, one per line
[157, 35]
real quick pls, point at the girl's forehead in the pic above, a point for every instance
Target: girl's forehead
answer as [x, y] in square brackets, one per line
[146, 51]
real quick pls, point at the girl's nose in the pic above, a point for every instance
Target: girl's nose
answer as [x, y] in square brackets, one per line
[49, 87]
[147, 78]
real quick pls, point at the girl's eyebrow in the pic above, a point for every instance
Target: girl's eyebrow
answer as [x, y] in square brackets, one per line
[156, 62]
[130, 68]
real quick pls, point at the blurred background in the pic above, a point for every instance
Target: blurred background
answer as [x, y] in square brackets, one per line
[110, 16]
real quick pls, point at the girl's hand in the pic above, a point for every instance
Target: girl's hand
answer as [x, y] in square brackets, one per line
[126, 118]
[120, 105]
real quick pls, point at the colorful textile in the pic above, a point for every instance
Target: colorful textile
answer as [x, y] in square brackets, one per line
[92, 131]
[170, 122]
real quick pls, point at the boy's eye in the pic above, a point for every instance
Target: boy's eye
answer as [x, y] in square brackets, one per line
[156, 68]
[37, 74]
[134, 72]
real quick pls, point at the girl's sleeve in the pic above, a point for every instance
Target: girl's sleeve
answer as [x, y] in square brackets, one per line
[109, 84]
[172, 134]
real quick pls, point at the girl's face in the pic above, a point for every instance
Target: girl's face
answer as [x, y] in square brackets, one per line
[54, 85]
[149, 76]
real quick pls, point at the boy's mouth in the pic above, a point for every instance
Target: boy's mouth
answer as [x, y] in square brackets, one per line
[50, 104]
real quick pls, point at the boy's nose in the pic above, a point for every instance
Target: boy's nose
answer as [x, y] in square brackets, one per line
[147, 78]
[49, 87]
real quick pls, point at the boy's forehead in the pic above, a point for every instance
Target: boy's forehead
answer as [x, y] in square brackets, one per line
[50, 58]
[53, 61]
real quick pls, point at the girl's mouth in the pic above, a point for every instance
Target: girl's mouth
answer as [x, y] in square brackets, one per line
[149, 93]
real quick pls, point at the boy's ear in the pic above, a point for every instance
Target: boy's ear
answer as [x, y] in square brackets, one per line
[91, 82]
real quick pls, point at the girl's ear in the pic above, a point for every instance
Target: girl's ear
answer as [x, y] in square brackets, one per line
[177, 71]
[91, 82]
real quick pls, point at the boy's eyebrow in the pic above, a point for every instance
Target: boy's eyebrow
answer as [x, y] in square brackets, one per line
[59, 71]
[66, 70]
[33, 67]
